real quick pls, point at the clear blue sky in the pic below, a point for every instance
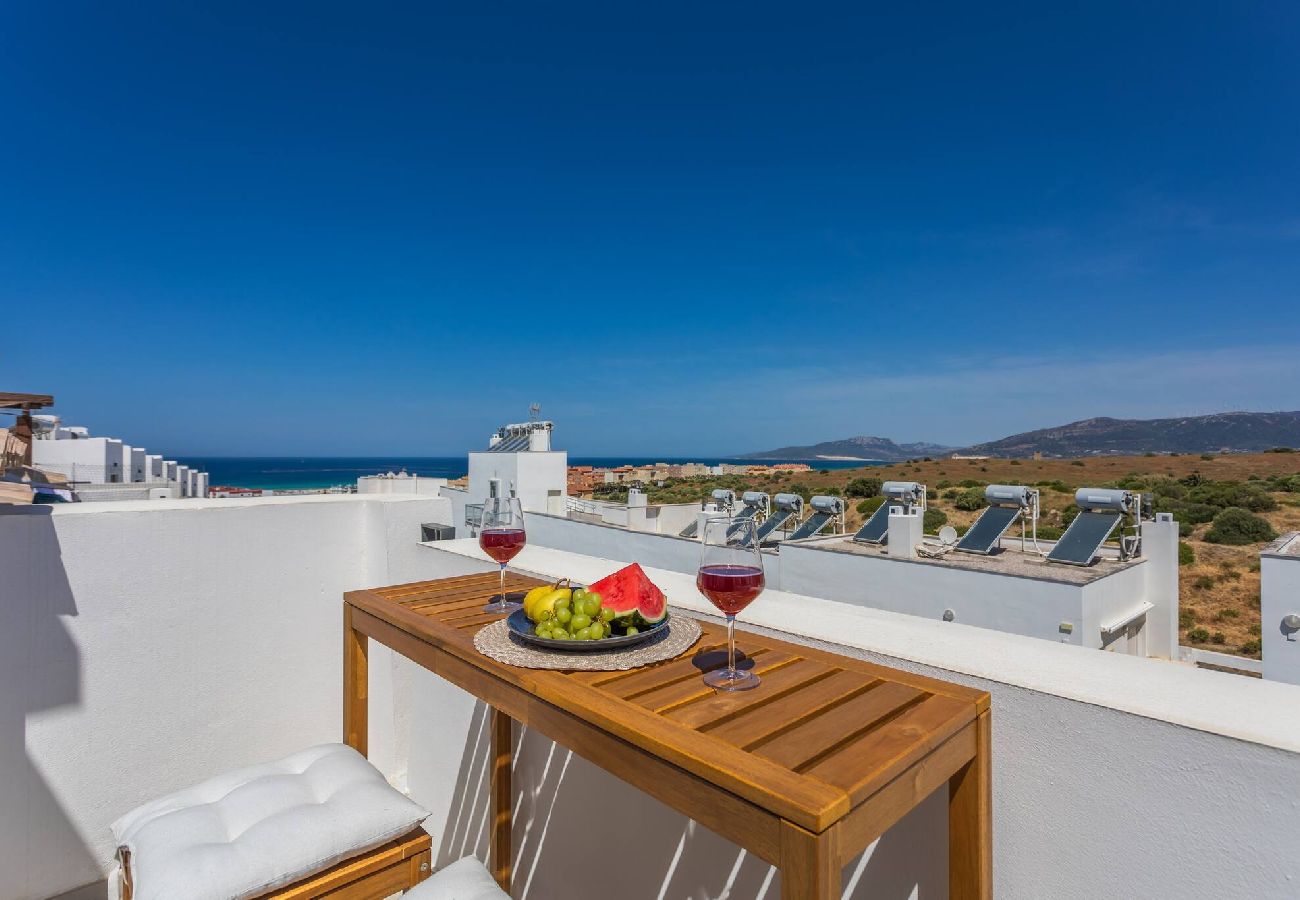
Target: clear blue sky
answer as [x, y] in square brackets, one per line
[699, 228]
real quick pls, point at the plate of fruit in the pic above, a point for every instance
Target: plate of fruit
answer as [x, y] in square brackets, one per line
[618, 611]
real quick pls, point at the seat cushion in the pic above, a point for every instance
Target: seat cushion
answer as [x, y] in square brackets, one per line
[465, 879]
[250, 831]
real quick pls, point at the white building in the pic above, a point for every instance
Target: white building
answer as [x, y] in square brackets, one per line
[106, 468]
[400, 483]
[1279, 588]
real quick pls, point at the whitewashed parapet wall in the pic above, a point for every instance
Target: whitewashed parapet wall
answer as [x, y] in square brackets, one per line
[148, 645]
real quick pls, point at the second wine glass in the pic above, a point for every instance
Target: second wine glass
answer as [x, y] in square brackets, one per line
[501, 536]
[731, 576]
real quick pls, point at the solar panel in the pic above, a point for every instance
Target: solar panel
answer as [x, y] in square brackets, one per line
[689, 530]
[814, 524]
[988, 529]
[777, 519]
[739, 519]
[876, 529]
[1084, 537]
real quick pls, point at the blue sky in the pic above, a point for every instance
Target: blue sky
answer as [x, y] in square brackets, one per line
[326, 228]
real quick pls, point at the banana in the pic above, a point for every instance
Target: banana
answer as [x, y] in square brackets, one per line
[544, 606]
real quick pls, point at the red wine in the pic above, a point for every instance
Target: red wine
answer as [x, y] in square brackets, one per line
[502, 543]
[730, 588]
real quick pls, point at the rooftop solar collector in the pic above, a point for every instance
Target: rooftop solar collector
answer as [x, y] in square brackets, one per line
[1084, 537]
[814, 524]
[876, 529]
[988, 529]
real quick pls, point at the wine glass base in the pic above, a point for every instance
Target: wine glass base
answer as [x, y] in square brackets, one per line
[731, 680]
[500, 604]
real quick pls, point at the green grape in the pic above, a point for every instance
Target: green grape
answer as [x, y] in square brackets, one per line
[562, 603]
[579, 596]
[561, 635]
[597, 630]
[591, 606]
[599, 599]
[579, 621]
[563, 616]
[582, 634]
[632, 629]
[606, 614]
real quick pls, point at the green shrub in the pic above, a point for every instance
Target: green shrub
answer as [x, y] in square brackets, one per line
[1069, 514]
[1224, 614]
[1077, 462]
[1186, 555]
[943, 485]
[1203, 582]
[933, 520]
[971, 482]
[1282, 450]
[1218, 638]
[1237, 526]
[1254, 628]
[1198, 635]
[870, 505]
[951, 494]
[1250, 648]
[1186, 618]
[1207, 456]
[863, 487]
[971, 499]
[1049, 532]
[1185, 529]
[823, 471]
[831, 491]
[1223, 494]
[1015, 462]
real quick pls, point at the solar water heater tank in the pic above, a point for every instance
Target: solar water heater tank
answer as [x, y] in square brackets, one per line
[831, 505]
[1103, 498]
[902, 490]
[789, 502]
[724, 496]
[1007, 495]
[755, 498]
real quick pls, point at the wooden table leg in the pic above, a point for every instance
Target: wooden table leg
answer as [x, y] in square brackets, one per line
[356, 687]
[970, 823]
[810, 863]
[502, 797]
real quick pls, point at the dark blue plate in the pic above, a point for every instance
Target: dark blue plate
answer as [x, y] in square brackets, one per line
[522, 628]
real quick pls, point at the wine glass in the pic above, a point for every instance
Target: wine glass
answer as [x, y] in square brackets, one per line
[731, 576]
[501, 535]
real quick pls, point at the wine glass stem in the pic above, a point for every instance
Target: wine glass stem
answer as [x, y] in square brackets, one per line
[731, 644]
[502, 597]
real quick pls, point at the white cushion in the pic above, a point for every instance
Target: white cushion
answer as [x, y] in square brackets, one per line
[250, 831]
[464, 879]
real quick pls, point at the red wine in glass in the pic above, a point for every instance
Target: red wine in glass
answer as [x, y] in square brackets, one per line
[501, 536]
[502, 544]
[730, 588]
[731, 576]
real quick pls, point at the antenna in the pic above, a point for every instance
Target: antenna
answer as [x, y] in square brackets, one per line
[534, 410]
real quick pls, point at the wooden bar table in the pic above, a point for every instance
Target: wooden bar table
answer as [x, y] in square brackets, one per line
[805, 771]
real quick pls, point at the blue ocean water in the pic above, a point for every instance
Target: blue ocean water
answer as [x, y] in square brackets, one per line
[309, 472]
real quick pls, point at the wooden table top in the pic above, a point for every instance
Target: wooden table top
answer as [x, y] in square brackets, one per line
[820, 734]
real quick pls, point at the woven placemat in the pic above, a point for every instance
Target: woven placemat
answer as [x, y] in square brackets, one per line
[496, 641]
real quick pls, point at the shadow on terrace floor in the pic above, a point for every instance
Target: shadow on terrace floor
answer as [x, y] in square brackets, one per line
[581, 833]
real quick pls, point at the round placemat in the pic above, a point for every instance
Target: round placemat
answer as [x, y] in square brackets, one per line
[496, 641]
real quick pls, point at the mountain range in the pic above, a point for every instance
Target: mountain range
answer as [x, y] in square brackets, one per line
[1231, 431]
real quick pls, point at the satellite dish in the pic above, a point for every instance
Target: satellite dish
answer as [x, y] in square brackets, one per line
[948, 534]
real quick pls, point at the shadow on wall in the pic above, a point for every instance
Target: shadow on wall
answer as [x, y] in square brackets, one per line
[40, 670]
[581, 832]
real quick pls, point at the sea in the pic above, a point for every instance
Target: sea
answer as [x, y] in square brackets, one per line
[297, 473]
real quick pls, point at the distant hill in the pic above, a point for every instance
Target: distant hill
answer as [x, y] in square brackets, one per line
[862, 447]
[1239, 431]
[1244, 432]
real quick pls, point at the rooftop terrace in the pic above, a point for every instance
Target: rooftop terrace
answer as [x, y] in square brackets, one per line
[155, 644]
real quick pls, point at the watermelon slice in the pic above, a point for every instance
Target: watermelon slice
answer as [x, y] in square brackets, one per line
[629, 592]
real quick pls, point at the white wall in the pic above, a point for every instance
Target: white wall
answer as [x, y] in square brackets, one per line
[148, 645]
[1279, 574]
[535, 476]
[1112, 776]
[87, 459]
